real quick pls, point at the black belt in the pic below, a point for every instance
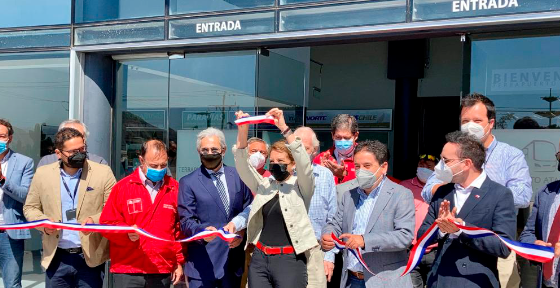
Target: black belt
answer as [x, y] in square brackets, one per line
[71, 250]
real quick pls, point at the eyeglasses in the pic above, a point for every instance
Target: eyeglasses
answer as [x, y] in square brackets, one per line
[210, 151]
[446, 161]
[72, 152]
[429, 157]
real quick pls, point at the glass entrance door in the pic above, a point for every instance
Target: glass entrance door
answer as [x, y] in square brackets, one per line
[173, 100]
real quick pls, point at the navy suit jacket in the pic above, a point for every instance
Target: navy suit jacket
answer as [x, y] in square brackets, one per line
[200, 206]
[472, 262]
[537, 224]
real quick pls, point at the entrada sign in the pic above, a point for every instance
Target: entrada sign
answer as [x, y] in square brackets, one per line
[474, 5]
[218, 26]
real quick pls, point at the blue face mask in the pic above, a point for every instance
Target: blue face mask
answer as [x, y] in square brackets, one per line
[156, 175]
[3, 146]
[344, 146]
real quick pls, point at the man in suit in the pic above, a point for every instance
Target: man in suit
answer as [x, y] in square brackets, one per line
[543, 228]
[377, 217]
[73, 190]
[16, 172]
[472, 199]
[80, 126]
[210, 197]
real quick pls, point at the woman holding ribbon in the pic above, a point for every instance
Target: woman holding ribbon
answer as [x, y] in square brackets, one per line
[277, 224]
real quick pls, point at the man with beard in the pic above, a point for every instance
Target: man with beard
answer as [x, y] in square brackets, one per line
[210, 197]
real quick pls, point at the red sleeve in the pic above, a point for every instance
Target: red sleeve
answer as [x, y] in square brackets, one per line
[112, 215]
[317, 159]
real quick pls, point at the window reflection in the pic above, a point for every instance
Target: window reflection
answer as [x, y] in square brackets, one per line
[34, 91]
[190, 6]
[34, 13]
[103, 10]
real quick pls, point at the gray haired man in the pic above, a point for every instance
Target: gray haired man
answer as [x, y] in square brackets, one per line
[80, 126]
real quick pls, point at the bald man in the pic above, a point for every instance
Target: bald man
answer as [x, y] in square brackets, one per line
[320, 265]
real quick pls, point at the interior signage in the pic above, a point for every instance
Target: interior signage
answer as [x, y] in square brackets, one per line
[474, 5]
[529, 79]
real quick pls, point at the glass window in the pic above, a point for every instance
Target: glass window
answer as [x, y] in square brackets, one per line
[445, 9]
[141, 102]
[35, 39]
[222, 26]
[103, 10]
[193, 6]
[205, 90]
[522, 77]
[34, 95]
[133, 32]
[34, 13]
[379, 12]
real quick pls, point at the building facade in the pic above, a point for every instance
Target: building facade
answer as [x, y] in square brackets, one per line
[134, 70]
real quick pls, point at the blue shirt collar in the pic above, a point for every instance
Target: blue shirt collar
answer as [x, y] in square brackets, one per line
[493, 144]
[211, 172]
[373, 193]
[7, 157]
[77, 175]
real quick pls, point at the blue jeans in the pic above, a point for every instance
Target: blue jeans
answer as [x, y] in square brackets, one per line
[11, 260]
[354, 282]
[71, 271]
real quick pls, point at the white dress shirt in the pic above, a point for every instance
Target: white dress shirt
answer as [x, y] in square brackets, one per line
[4, 165]
[461, 195]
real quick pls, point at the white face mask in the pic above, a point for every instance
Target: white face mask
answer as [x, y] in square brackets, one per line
[366, 179]
[475, 129]
[444, 172]
[423, 174]
[257, 160]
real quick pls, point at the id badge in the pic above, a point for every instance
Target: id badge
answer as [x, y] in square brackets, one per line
[70, 214]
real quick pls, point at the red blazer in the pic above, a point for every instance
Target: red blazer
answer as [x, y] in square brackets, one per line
[129, 203]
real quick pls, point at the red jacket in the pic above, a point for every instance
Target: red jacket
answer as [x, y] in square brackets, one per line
[129, 203]
[348, 165]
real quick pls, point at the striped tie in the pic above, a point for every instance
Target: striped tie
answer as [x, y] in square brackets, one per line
[222, 191]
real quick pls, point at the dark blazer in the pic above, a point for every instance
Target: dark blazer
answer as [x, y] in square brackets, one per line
[200, 206]
[472, 262]
[537, 224]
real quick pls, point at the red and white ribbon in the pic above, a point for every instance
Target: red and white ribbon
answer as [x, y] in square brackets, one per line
[529, 251]
[264, 119]
[226, 236]
[357, 252]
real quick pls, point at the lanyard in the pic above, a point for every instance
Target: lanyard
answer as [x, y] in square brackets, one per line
[68, 189]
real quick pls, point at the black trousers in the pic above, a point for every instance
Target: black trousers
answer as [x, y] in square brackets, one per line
[419, 275]
[69, 270]
[142, 280]
[277, 271]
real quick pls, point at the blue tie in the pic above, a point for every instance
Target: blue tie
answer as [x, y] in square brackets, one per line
[222, 190]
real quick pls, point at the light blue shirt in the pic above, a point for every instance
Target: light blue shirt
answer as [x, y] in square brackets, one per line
[361, 219]
[505, 165]
[68, 238]
[222, 178]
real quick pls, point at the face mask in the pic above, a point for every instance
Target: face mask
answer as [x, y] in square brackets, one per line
[257, 160]
[366, 179]
[211, 161]
[444, 172]
[474, 129]
[279, 171]
[344, 146]
[423, 173]
[77, 160]
[155, 175]
[3, 146]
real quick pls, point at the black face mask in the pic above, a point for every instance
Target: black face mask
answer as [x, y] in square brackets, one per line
[279, 171]
[211, 161]
[76, 160]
